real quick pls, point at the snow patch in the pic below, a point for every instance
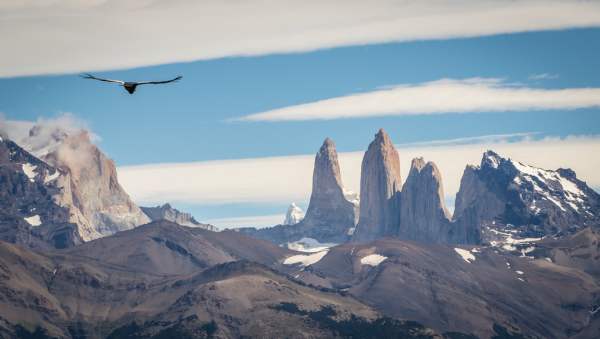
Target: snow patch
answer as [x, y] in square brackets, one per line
[29, 171]
[305, 259]
[51, 177]
[466, 255]
[33, 220]
[309, 245]
[508, 241]
[352, 197]
[372, 259]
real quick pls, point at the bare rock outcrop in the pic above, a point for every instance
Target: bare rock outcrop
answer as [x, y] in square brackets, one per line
[86, 178]
[503, 196]
[29, 216]
[380, 185]
[328, 208]
[330, 216]
[423, 213]
[169, 213]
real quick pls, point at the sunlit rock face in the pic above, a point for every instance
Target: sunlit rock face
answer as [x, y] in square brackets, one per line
[89, 185]
[509, 195]
[329, 210]
[423, 213]
[380, 186]
[332, 210]
[169, 213]
[29, 216]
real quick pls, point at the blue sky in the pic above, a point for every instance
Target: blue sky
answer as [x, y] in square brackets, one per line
[187, 121]
[190, 121]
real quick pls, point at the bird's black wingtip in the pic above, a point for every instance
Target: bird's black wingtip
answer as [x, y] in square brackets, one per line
[86, 75]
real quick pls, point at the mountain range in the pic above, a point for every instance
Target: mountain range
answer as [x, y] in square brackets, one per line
[518, 258]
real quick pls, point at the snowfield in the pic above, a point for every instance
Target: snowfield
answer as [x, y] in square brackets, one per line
[29, 171]
[309, 245]
[51, 177]
[466, 255]
[305, 259]
[33, 220]
[372, 259]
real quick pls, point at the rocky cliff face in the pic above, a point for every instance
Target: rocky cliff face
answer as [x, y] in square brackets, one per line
[28, 213]
[329, 211]
[98, 203]
[330, 216]
[423, 213]
[506, 194]
[167, 212]
[380, 185]
[88, 183]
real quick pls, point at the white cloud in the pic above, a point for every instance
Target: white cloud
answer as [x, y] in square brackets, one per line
[258, 221]
[437, 97]
[48, 131]
[60, 36]
[286, 179]
[543, 76]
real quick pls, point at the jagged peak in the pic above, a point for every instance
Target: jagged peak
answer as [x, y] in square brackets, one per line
[491, 159]
[417, 163]
[328, 143]
[293, 215]
[382, 138]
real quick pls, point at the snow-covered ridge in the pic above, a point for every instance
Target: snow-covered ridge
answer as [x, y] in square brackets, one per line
[549, 186]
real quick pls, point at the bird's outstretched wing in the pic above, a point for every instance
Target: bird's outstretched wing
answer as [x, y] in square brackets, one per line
[89, 76]
[159, 82]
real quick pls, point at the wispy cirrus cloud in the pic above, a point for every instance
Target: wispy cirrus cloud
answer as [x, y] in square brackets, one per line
[543, 76]
[41, 37]
[436, 97]
[253, 220]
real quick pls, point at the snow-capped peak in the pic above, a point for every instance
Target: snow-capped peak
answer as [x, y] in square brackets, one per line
[491, 159]
[294, 215]
[549, 186]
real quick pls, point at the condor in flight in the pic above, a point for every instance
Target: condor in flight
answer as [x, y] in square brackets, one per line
[130, 86]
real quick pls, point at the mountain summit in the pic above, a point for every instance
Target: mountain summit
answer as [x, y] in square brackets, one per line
[167, 212]
[87, 181]
[503, 192]
[331, 213]
[380, 185]
[423, 213]
[328, 209]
